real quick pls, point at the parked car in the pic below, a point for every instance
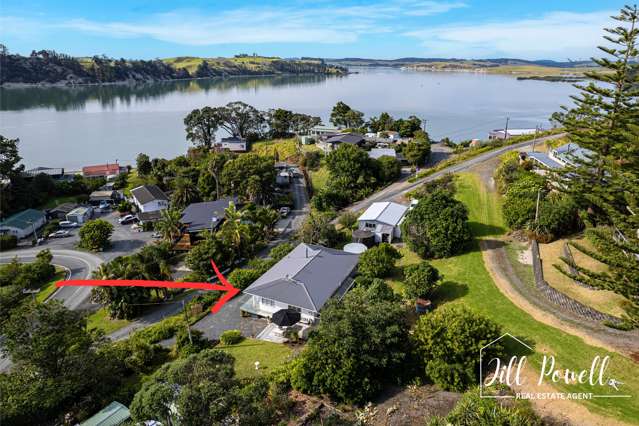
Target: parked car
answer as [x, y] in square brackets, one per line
[60, 234]
[67, 224]
[284, 211]
[104, 206]
[125, 220]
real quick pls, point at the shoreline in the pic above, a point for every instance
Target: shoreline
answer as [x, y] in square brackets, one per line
[67, 84]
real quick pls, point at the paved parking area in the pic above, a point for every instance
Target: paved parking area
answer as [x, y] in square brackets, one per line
[229, 318]
[124, 240]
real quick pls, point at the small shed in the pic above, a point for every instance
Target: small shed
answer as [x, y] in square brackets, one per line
[80, 215]
[113, 414]
[60, 211]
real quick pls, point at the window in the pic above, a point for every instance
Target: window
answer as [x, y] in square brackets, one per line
[267, 302]
[370, 225]
[294, 308]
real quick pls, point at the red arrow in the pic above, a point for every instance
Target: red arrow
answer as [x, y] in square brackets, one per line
[226, 286]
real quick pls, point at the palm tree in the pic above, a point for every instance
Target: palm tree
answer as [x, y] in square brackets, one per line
[216, 163]
[169, 224]
[185, 192]
[233, 230]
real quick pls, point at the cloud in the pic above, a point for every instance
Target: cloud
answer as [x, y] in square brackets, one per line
[314, 24]
[428, 8]
[558, 35]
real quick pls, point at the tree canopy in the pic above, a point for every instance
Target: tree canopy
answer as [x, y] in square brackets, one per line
[360, 345]
[437, 226]
[448, 341]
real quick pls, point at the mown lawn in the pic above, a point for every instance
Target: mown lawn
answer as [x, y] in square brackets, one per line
[270, 355]
[47, 289]
[100, 320]
[319, 178]
[468, 282]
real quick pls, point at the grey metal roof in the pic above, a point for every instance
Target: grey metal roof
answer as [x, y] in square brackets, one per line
[147, 193]
[63, 208]
[571, 151]
[352, 138]
[199, 216]
[545, 160]
[307, 277]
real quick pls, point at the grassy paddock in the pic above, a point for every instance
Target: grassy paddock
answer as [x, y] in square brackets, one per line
[467, 281]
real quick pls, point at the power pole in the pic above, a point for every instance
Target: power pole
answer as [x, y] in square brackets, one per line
[424, 124]
[535, 140]
[188, 326]
[506, 129]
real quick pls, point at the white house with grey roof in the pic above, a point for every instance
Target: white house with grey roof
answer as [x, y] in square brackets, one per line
[304, 280]
[383, 220]
[149, 198]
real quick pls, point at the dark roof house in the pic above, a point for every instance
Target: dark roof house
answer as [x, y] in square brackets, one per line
[206, 215]
[307, 277]
[60, 211]
[350, 138]
[147, 193]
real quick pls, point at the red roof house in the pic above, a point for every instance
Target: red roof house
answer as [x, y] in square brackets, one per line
[101, 170]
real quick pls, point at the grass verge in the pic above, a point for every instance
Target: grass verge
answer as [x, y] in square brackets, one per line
[100, 320]
[49, 288]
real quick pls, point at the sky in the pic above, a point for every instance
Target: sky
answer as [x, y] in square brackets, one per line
[471, 29]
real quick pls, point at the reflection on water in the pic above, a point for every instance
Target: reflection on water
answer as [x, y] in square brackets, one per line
[76, 126]
[76, 98]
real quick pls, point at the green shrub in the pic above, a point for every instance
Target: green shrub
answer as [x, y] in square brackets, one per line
[162, 330]
[437, 226]
[378, 262]
[420, 280]
[473, 410]
[279, 251]
[8, 242]
[185, 346]
[348, 219]
[242, 278]
[231, 337]
[448, 342]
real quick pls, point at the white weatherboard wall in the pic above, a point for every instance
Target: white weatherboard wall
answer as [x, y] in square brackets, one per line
[152, 206]
[268, 307]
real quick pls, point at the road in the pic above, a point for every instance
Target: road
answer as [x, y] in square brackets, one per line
[402, 187]
[79, 264]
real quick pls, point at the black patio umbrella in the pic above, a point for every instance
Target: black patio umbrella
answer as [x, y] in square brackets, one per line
[286, 317]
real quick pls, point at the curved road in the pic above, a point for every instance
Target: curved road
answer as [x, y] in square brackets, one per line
[79, 264]
[402, 187]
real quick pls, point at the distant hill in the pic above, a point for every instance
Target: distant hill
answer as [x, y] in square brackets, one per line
[400, 62]
[50, 67]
